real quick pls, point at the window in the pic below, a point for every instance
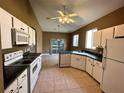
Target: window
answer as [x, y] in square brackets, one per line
[75, 40]
[89, 39]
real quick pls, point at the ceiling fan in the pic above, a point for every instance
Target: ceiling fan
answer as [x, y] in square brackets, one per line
[64, 18]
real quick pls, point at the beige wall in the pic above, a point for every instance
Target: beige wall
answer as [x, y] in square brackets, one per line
[23, 11]
[112, 19]
[47, 36]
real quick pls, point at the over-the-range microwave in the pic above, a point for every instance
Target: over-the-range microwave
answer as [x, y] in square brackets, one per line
[19, 37]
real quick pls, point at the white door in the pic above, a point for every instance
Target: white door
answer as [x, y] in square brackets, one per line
[119, 31]
[17, 23]
[65, 60]
[89, 66]
[5, 28]
[106, 34]
[25, 27]
[33, 37]
[113, 79]
[98, 71]
[97, 39]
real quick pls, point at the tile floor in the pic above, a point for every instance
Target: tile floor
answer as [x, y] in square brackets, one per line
[65, 80]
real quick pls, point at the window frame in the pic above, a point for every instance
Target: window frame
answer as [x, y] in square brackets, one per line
[77, 40]
[91, 47]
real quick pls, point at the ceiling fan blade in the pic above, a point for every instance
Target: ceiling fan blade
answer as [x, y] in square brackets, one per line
[53, 18]
[71, 20]
[72, 15]
[61, 13]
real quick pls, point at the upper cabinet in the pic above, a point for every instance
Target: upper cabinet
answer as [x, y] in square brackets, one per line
[101, 36]
[5, 28]
[97, 39]
[106, 34]
[20, 25]
[119, 31]
[32, 40]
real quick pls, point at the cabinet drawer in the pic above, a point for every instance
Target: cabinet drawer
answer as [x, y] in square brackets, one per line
[12, 88]
[22, 77]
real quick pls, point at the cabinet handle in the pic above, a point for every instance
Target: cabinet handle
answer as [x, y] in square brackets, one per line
[11, 91]
[24, 76]
[20, 87]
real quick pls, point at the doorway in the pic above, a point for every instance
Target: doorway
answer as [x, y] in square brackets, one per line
[56, 45]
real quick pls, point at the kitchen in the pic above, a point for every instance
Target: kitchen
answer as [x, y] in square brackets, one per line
[41, 55]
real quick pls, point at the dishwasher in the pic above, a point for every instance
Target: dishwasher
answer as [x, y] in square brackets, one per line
[64, 59]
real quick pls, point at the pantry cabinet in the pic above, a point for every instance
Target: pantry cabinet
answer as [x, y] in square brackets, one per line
[119, 31]
[97, 71]
[19, 25]
[89, 65]
[78, 61]
[97, 39]
[107, 33]
[32, 40]
[5, 28]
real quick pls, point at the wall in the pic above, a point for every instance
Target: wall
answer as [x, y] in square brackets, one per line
[47, 36]
[112, 19]
[23, 11]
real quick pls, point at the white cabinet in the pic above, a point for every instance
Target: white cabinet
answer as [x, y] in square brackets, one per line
[89, 65]
[78, 61]
[12, 88]
[20, 85]
[106, 34]
[97, 39]
[19, 25]
[98, 71]
[5, 28]
[119, 31]
[32, 40]
[65, 60]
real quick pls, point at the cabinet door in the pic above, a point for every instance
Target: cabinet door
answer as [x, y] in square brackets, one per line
[5, 28]
[80, 62]
[17, 23]
[23, 82]
[73, 60]
[25, 27]
[89, 66]
[33, 37]
[12, 88]
[65, 60]
[119, 31]
[106, 34]
[23, 88]
[97, 71]
[97, 39]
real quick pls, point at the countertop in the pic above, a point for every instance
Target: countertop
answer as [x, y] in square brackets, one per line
[84, 53]
[11, 73]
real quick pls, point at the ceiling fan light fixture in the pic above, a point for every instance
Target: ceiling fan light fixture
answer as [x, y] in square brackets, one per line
[60, 20]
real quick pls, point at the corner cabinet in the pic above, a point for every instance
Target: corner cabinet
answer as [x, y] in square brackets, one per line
[78, 61]
[32, 38]
[5, 28]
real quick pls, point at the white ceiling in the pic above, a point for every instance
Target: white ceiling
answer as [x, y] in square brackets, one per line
[87, 10]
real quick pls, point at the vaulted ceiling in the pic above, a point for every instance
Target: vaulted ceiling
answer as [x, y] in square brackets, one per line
[87, 10]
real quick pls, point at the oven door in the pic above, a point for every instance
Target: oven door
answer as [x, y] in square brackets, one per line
[34, 73]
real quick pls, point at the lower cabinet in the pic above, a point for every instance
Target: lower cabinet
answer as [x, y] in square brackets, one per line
[12, 88]
[89, 65]
[78, 61]
[20, 85]
[97, 71]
